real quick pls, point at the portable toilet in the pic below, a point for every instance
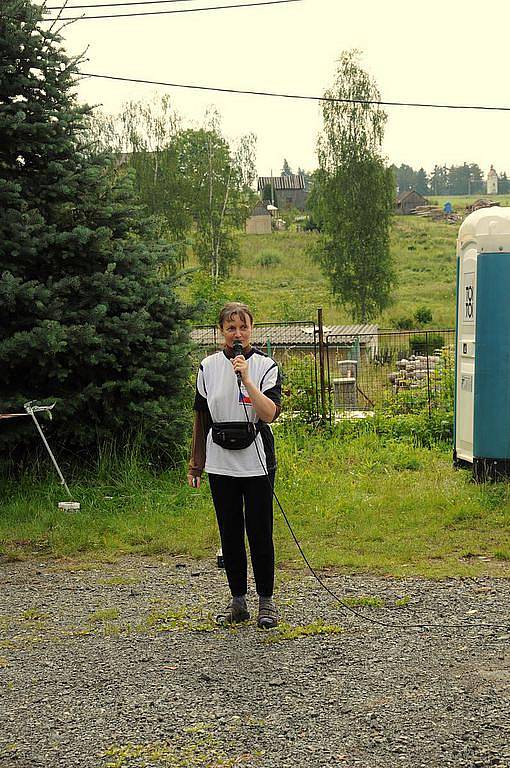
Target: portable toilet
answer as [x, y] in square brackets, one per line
[482, 366]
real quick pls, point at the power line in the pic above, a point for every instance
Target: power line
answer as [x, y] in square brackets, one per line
[179, 10]
[118, 5]
[300, 97]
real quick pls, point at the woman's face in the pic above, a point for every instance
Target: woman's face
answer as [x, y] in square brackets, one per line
[237, 330]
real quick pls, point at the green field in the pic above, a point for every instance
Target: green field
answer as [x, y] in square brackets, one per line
[459, 202]
[424, 254]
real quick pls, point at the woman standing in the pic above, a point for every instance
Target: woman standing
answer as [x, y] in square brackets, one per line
[237, 397]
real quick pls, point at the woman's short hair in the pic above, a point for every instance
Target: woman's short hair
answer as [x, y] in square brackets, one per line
[233, 309]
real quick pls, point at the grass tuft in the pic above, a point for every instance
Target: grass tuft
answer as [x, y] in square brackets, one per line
[364, 600]
[198, 747]
[285, 631]
[103, 615]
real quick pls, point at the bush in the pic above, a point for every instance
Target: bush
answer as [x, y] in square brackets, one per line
[403, 323]
[299, 388]
[426, 343]
[269, 258]
[423, 315]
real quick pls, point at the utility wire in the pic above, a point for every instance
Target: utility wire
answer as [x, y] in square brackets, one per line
[179, 10]
[118, 5]
[297, 96]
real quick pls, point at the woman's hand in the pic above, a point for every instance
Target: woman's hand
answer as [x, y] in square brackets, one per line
[241, 366]
[193, 482]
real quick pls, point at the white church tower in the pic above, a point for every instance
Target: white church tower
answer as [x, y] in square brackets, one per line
[492, 182]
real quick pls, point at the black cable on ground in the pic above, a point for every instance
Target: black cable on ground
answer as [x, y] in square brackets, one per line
[358, 614]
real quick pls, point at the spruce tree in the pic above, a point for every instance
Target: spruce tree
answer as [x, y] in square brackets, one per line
[85, 320]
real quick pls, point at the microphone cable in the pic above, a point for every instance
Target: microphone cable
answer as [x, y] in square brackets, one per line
[346, 606]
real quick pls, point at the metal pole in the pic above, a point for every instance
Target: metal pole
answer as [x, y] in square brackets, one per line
[32, 414]
[321, 362]
[428, 372]
[331, 409]
[314, 372]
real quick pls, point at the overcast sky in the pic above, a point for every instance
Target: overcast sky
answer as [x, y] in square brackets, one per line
[450, 52]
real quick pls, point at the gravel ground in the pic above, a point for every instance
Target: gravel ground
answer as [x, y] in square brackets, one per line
[121, 665]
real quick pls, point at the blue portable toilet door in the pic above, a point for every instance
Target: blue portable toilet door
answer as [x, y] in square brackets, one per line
[466, 345]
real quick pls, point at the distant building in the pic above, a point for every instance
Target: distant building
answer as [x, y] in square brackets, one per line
[492, 182]
[408, 201]
[290, 191]
[259, 223]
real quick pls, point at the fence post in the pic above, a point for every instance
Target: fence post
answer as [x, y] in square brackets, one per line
[321, 363]
[428, 373]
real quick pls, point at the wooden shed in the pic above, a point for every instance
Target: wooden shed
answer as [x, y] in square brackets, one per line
[259, 223]
[408, 201]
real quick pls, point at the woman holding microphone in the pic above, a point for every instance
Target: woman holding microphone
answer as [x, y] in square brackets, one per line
[238, 395]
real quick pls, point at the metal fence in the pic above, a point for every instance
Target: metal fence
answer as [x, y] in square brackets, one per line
[396, 371]
[344, 375]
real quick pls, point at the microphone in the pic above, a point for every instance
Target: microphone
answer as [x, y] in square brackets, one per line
[238, 350]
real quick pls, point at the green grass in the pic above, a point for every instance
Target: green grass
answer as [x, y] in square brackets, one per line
[356, 503]
[424, 255]
[460, 202]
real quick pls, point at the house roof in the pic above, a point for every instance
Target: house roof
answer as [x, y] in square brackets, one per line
[290, 334]
[406, 193]
[281, 183]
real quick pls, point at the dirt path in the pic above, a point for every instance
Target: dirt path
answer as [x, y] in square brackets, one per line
[120, 665]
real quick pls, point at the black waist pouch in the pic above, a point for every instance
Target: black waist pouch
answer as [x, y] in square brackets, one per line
[234, 435]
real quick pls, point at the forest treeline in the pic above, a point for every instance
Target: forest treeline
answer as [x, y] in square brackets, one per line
[465, 179]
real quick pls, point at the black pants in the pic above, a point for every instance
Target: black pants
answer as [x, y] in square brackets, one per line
[228, 495]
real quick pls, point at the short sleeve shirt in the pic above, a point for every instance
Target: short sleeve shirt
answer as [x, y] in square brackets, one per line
[218, 391]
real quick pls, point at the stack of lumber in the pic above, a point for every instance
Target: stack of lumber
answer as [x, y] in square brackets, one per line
[436, 213]
[428, 210]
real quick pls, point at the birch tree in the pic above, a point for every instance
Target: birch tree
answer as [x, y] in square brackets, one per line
[219, 181]
[354, 193]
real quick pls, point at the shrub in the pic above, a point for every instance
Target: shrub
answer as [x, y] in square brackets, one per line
[423, 315]
[403, 323]
[426, 343]
[299, 388]
[269, 258]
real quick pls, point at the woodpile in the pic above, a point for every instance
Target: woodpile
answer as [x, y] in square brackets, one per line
[480, 204]
[436, 213]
